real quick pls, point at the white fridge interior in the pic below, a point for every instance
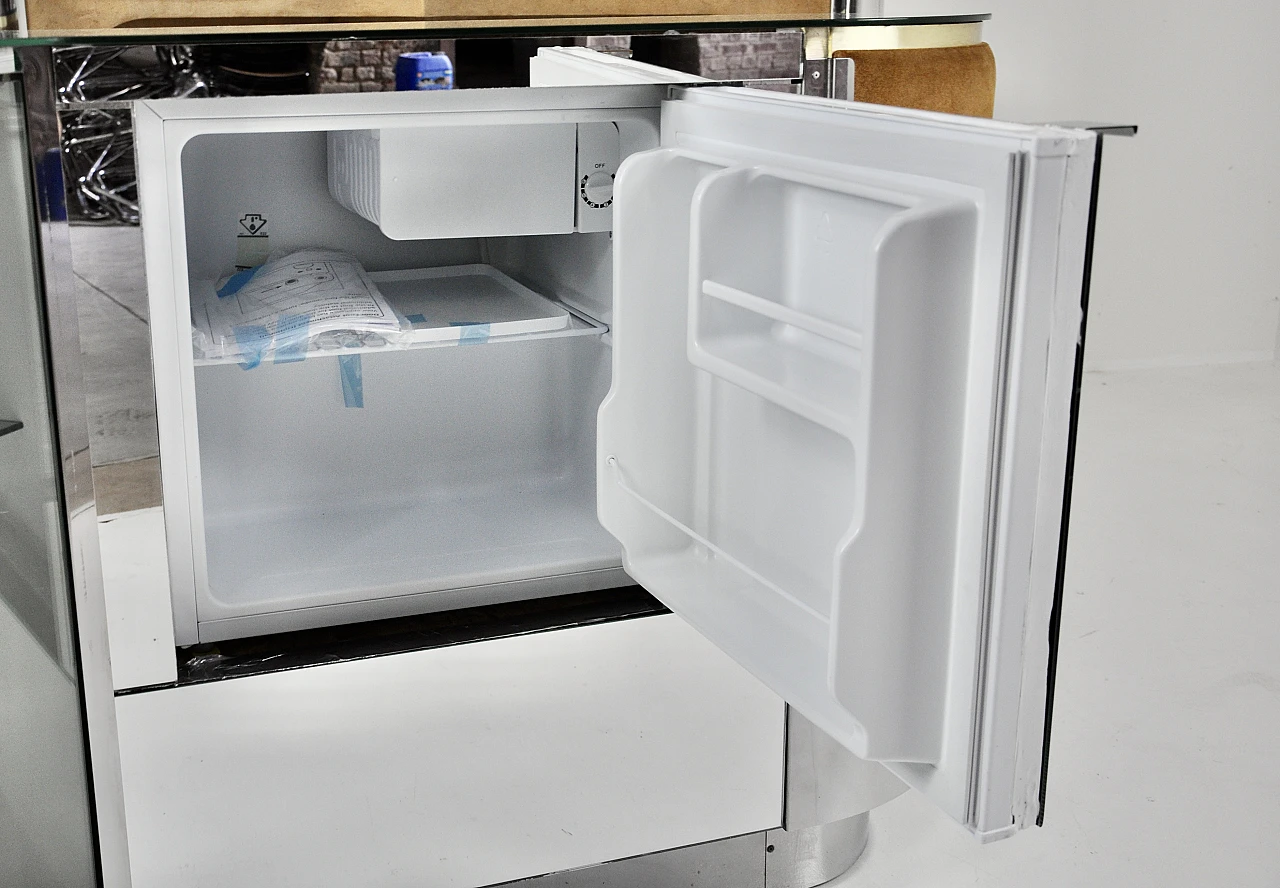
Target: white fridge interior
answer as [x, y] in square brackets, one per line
[468, 461]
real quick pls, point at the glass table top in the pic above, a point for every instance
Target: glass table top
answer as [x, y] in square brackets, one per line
[310, 30]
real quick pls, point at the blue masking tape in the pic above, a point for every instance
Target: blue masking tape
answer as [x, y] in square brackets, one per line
[236, 281]
[472, 334]
[352, 380]
[253, 340]
[292, 338]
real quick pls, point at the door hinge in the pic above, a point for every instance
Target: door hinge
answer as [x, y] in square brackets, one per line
[828, 78]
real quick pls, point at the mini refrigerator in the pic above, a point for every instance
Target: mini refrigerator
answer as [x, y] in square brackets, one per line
[800, 368]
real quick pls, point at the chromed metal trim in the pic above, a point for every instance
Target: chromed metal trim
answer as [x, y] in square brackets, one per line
[205, 32]
[801, 858]
[804, 858]
[857, 9]
[71, 429]
[1068, 487]
[828, 78]
[824, 782]
[1102, 129]
[733, 861]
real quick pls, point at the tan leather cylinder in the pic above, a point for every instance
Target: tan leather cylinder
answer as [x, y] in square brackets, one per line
[950, 79]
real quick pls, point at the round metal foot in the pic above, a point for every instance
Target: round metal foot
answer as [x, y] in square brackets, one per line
[803, 858]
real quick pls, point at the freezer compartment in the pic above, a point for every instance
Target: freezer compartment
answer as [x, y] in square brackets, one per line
[250, 195]
[246, 195]
[458, 181]
[464, 467]
[481, 180]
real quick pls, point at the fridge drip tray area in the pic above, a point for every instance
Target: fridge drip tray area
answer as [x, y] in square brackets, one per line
[362, 551]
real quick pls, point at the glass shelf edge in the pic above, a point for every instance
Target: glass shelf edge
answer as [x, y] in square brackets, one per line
[445, 28]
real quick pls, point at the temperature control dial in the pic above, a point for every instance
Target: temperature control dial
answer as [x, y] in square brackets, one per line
[596, 189]
[599, 155]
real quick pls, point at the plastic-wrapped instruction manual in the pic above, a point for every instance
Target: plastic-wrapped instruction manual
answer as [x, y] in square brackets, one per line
[290, 303]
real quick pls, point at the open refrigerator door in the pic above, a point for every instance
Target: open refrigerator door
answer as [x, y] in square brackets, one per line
[835, 439]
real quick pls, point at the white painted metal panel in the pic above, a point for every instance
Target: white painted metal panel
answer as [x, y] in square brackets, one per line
[454, 767]
[135, 581]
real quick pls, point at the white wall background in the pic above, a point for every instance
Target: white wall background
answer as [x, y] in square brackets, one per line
[1187, 260]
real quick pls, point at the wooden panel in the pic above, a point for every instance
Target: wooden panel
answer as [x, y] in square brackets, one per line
[576, 8]
[64, 15]
[950, 79]
[183, 15]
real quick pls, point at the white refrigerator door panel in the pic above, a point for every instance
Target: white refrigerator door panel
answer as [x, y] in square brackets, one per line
[835, 441]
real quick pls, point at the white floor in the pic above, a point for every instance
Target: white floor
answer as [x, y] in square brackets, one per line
[1164, 770]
